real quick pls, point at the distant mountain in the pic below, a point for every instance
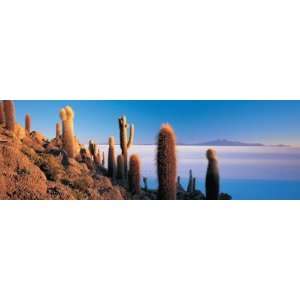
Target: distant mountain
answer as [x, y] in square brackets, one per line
[218, 142]
[223, 142]
[281, 145]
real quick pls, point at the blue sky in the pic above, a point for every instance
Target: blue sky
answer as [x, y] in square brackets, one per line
[269, 122]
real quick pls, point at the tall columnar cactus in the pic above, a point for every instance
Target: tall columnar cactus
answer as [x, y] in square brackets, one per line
[190, 184]
[120, 167]
[145, 180]
[28, 123]
[125, 143]
[212, 183]
[178, 181]
[2, 118]
[10, 114]
[166, 163]
[111, 158]
[179, 186]
[58, 132]
[67, 117]
[194, 185]
[134, 174]
[103, 159]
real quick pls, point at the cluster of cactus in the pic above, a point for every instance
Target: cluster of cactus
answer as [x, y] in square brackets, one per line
[166, 169]
[212, 183]
[125, 142]
[95, 153]
[168, 183]
[8, 119]
[166, 163]
[191, 188]
[68, 139]
[134, 174]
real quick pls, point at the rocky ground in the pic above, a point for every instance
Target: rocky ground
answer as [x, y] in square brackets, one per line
[32, 167]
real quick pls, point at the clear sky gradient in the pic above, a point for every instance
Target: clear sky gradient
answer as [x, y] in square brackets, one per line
[269, 122]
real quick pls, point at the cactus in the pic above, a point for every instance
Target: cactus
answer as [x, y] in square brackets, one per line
[28, 123]
[134, 176]
[111, 158]
[125, 143]
[103, 159]
[212, 176]
[67, 117]
[10, 114]
[166, 163]
[93, 149]
[145, 180]
[2, 118]
[179, 186]
[190, 184]
[95, 153]
[97, 158]
[86, 158]
[194, 185]
[178, 181]
[83, 154]
[120, 167]
[58, 133]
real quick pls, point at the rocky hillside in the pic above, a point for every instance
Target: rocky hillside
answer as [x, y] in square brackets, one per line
[34, 168]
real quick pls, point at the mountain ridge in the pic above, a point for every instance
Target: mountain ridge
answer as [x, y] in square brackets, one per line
[225, 142]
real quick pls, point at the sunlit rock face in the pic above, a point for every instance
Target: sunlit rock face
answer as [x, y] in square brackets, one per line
[29, 169]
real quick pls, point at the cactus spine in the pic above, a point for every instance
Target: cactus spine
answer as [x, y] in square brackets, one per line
[111, 158]
[58, 133]
[120, 167]
[166, 163]
[125, 143]
[28, 123]
[67, 117]
[2, 118]
[212, 182]
[134, 174]
[10, 114]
